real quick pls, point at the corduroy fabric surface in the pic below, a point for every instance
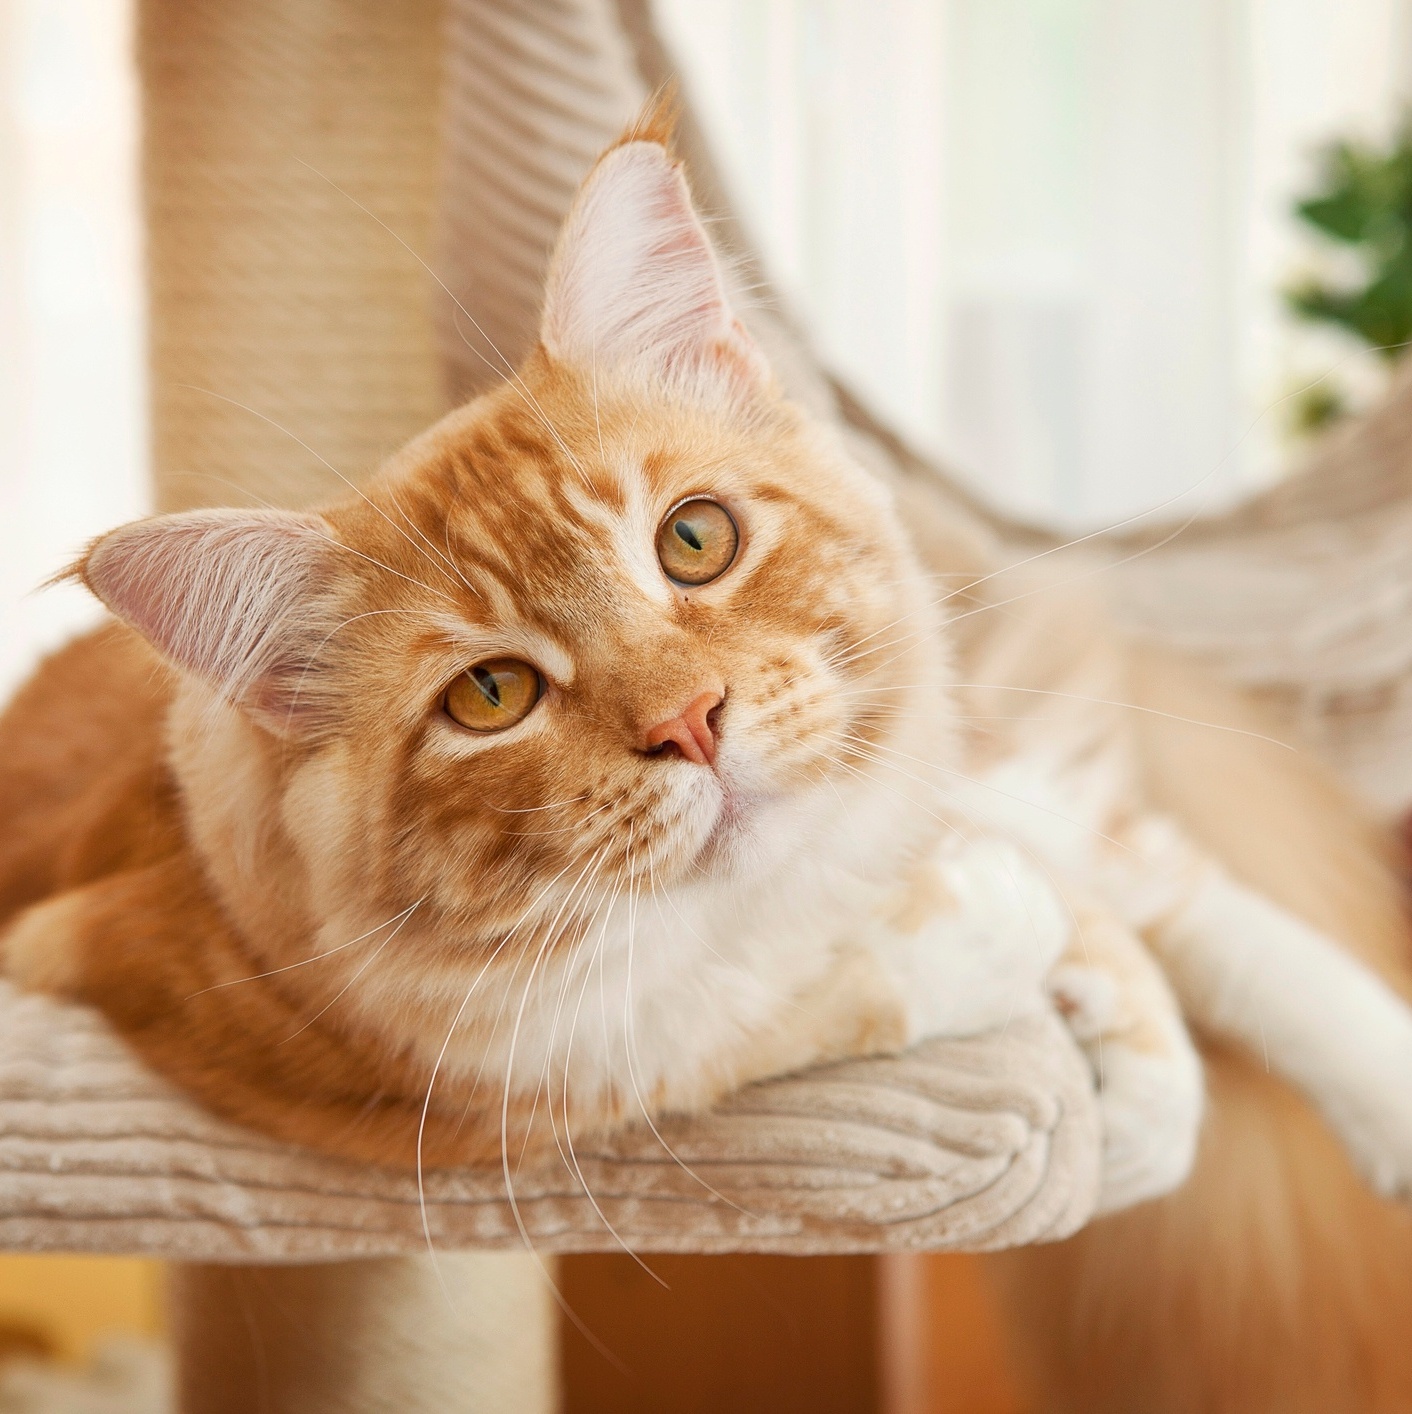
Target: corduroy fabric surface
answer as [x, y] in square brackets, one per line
[977, 1144]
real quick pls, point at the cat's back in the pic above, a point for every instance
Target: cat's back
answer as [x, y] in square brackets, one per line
[83, 784]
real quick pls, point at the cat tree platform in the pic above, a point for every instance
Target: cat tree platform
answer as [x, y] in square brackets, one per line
[974, 1144]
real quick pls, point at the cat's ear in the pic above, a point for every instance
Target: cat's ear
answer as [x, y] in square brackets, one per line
[635, 284]
[229, 595]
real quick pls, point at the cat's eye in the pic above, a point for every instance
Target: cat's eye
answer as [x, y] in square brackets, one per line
[697, 542]
[493, 695]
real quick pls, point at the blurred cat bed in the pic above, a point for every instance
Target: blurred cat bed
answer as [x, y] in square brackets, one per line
[973, 1144]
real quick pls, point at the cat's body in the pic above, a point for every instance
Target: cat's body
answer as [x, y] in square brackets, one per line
[611, 752]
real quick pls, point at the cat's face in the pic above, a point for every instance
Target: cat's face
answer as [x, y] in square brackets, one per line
[630, 617]
[645, 725]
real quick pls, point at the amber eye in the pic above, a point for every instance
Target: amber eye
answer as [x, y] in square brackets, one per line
[493, 695]
[697, 542]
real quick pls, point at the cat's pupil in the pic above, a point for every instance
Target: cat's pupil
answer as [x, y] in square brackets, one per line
[490, 689]
[686, 533]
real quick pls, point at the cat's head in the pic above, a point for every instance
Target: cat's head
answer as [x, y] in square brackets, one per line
[630, 615]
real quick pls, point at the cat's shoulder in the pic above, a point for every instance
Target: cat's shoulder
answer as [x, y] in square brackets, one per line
[82, 761]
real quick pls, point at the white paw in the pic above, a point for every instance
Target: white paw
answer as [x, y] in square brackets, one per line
[1150, 1084]
[1151, 1105]
[980, 956]
[1376, 1129]
[1088, 999]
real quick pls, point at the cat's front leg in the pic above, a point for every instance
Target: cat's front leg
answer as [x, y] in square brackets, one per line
[1248, 969]
[1121, 1010]
[970, 937]
[982, 933]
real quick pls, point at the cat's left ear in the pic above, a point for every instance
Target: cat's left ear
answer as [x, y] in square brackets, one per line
[234, 597]
[635, 285]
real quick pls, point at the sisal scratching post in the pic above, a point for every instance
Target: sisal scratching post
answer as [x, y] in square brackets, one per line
[318, 1339]
[268, 126]
[290, 333]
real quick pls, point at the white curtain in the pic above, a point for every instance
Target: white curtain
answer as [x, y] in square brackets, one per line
[1046, 236]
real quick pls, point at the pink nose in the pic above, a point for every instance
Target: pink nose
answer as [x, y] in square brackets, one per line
[692, 731]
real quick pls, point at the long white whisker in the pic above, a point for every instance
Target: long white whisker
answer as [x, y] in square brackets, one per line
[505, 1127]
[630, 1052]
[377, 952]
[508, 368]
[324, 461]
[304, 962]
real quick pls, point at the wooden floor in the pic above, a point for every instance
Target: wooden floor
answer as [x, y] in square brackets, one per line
[59, 1305]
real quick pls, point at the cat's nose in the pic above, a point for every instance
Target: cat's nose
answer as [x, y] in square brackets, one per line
[692, 731]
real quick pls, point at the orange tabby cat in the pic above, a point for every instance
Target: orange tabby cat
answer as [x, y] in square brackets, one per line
[611, 752]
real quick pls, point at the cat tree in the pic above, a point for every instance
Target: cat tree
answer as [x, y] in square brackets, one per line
[300, 155]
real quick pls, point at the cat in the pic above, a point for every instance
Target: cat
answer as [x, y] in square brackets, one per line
[583, 768]
[614, 748]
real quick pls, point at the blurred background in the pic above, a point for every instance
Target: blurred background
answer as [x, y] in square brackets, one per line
[1052, 240]
[1102, 258]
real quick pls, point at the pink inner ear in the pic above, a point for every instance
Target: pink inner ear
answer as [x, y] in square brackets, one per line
[225, 594]
[634, 281]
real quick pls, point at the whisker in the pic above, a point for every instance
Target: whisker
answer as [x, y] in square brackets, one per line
[352, 485]
[377, 952]
[943, 715]
[510, 371]
[630, 1038]
[431, 1085]
[289, 967]
[505, 1151]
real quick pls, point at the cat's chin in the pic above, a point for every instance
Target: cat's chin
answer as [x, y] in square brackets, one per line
[755, 834]
[726, 850]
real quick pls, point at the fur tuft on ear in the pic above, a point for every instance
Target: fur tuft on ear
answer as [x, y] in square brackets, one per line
[225, 594]
[635, 284]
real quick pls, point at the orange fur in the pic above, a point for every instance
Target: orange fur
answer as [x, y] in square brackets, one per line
[282, 871]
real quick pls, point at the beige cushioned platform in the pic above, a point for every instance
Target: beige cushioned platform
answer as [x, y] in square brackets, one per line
[977, 1144]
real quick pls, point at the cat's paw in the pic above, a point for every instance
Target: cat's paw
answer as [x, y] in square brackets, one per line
[1151, 1106]
[1377, 1132]
[1356, 1064]
[1150, 1086]
[972, 943]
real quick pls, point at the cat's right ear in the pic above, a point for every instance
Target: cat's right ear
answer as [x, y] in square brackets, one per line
[635, 283]
[229, 595]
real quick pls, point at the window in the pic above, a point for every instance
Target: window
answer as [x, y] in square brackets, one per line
[1045, 237]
